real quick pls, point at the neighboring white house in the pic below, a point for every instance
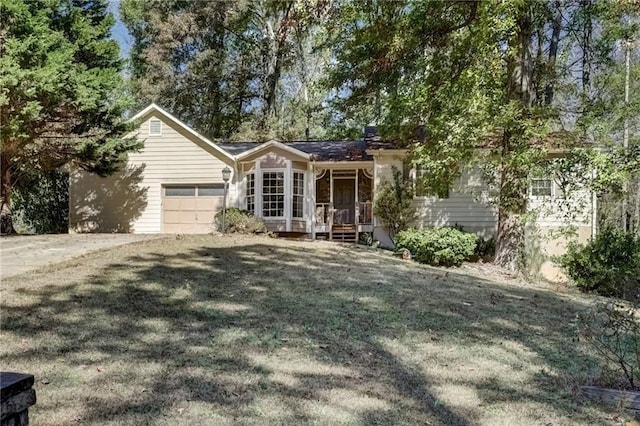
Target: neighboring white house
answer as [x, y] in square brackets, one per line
[324, 189]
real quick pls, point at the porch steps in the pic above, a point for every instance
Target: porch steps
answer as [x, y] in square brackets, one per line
[344, 233]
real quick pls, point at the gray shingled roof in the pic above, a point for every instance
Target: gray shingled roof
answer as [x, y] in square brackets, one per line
[320, 150]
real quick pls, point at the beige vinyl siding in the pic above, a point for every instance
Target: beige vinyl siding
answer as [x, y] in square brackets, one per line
[383, 167]
[106, 204]
[175, 157]
[468, 206]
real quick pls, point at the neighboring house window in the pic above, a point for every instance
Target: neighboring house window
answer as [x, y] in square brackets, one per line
[155, 127]
[273, 194]
[298, 194]
[251, 193]
[541, 187]
[424, 189]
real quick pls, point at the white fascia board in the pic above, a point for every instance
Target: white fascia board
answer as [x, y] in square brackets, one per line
[275, 144]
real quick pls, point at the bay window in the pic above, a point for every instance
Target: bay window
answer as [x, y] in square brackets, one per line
[275, 193]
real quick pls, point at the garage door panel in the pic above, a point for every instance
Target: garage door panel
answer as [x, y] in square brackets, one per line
[188, 204]
[186, 214]
[205, 217]
[172, 216]
[209, 203]
[172, 228]
[171, 204]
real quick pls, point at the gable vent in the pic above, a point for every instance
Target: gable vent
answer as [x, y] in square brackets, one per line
[155, 128]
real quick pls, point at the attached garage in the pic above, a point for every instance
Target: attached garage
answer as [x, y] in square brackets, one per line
[190, 209]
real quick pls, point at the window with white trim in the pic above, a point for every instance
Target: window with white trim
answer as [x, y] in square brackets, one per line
[423, 188]
[298, 194]
[211, 190]
[541, 187]
[273, 194]
[251, 193]
[155, 127]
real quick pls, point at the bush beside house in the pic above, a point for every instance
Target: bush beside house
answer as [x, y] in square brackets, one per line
[608, 265]
[240, 221]
[437, 246]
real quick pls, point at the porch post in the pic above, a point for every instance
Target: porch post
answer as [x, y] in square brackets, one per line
[330, 204]
[288, 195]
[356, 212]
[241, 188]
[238, 175]
[257, 176]
[311, 203]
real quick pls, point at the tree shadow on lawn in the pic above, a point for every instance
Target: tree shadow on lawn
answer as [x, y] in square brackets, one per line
[260, 332]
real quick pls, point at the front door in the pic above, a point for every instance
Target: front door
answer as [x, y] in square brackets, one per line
[344, 200]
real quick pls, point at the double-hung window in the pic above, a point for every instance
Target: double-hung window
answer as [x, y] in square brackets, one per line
[272, 194]
[298, 195]
[541, 187]
[251, 193]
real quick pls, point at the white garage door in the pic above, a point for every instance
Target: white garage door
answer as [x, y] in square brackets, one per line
[190, 209]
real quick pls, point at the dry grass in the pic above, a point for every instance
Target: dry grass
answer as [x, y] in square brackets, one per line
[234, 330]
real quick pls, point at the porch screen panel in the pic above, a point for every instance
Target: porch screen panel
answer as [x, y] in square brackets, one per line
[273, 194]
[251, 193]
[298, 194]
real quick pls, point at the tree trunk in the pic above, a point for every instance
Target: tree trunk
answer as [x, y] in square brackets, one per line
[510, 235]
[513, 176]
[6, 223]
[586, 46]
[277, 34]
[553, 52]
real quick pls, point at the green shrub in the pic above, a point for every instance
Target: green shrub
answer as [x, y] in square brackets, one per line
[437, 246]
[240, 221]
[608, 265]
[485, 248]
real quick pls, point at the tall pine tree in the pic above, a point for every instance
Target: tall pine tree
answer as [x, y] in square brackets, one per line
[63, 98]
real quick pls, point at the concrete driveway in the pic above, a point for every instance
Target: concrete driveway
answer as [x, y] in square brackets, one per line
[23, 253]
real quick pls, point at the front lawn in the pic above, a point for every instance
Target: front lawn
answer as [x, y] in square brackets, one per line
[226, 330]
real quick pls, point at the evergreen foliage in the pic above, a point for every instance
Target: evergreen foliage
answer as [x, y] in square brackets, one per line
[63, 98]
[41, 205]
